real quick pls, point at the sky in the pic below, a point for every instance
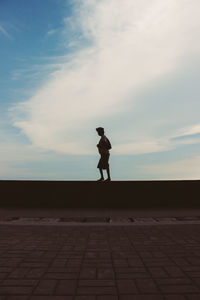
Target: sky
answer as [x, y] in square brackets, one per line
[69, 66]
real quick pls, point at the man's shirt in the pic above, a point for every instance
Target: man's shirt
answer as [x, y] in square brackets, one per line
[104, 145]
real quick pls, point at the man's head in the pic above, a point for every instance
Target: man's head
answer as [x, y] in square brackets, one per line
[100, 131]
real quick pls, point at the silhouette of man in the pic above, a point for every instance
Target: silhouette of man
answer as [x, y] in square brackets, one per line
[103, 146]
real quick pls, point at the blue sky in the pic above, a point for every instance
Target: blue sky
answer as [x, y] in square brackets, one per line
[131, 66]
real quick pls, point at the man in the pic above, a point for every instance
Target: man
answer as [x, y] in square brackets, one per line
[103, 146]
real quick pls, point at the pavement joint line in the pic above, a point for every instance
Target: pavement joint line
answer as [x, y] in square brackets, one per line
[105, 221]
[110, 220]
[114, 223]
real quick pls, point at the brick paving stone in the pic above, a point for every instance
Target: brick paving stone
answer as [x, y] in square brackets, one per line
[107, 297]
[157, 262]
[59, 263]
[193, 274]
[19, 282]
[96, 255]
[105, 273]
[158, 272]
[85, 298]
[74, 263]
[194, 261]
[191, 268]
[3, 275]
[120, 263]
[97, 263]
[34, 265]
[12, 290]
[19, 273]
[193, 297]
[11, 262]
[45, 287]
[16, 298]
[88, 273]
[5, 269]
[175, 297]
[61, 275]
[63, 270]
[130, 270]
[126, 287]
[173, 281]
[50, 298]
[158, 254]
[179, 289]
[141, 297]
[197, 281]
[131, 273]
[35, 273]
[181, 261]
[146, 286]
[135, 262]
[174, 271]
[66, 287]
[145, 254]
[123, 254]
[96, 282]
[105, 290]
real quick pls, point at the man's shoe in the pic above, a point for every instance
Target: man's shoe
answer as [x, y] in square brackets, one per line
[107, 180]
[101, 179]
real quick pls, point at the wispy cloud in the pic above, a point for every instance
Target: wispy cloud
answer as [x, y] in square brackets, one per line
[188, 169]
[188, 132]
[51, 32]
[154, 145]
[143, 147]
[126, 46]
[36, 70]
[5, 33]
[14, 154]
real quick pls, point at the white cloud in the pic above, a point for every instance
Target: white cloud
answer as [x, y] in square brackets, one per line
[5, 33]
[51, 32]
[152, 145]
[188, 169]
[130, 43]
[191, 130]
[14, 155]
[10, 152]
[143, 147]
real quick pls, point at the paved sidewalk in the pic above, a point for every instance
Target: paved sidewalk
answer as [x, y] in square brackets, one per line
[100, 262]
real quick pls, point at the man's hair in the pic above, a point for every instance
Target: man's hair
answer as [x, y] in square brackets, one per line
[100, 129]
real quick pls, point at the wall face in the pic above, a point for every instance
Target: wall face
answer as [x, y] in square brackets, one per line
[86, 194]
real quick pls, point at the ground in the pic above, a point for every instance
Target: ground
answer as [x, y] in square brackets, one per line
[107, 262]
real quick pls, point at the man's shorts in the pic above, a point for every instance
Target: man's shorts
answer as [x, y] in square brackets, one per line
[103, 162]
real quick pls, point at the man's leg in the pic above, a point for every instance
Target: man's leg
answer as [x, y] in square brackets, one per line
[108, 173]
[101, 172]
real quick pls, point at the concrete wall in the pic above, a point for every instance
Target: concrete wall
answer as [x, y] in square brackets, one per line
[89, 194]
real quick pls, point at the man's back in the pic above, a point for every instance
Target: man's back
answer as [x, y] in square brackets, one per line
[104, 145]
